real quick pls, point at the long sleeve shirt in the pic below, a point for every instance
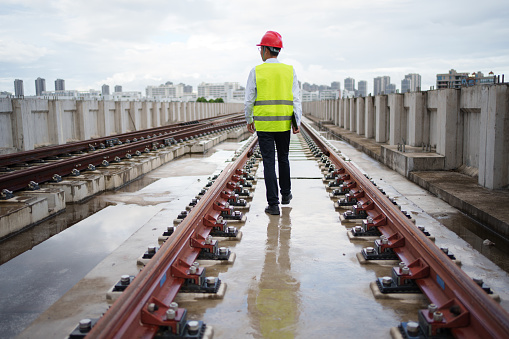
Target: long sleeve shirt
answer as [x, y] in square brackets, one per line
[250, 97]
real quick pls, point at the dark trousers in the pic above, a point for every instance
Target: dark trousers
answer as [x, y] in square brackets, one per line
[281, 140]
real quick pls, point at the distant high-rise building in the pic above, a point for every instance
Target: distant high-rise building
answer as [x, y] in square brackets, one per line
[18, 88]
[363, 88]
[414, 84]
[380, 84]
[188, 89]
[40, 86]
[105, 89]
[452, 79]
[60, 85]
[335, 85]
[406, 85]
[349, 84]
[390, 88]
[118, 88]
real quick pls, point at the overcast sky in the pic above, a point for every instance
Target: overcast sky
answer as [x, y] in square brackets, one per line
[137, 43]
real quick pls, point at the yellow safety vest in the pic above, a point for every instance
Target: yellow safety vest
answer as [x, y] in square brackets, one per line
[273, 107]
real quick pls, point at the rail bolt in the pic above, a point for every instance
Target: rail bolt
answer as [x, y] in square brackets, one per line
[438, 316]
[405, 270]
[128, 156]
[370, 250]
[358, 229]
[75, 172]
[412, 328]
[152, 307]
[138, 153]
[208, 240]
[432, 308]
[387, 281]
[174, 306]
[105, 163]
[192, 270]
[210, 280]
[91, 167]
[85, 325]
[223, 250]
[401, 265]
[193, 326]
[117, 159]
[125, 279]
[170, 314]
[370, 220]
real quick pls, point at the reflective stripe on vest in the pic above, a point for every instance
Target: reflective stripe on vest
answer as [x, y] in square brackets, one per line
[273, 108]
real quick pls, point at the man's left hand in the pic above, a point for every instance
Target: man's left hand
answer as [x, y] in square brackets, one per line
[251, 128]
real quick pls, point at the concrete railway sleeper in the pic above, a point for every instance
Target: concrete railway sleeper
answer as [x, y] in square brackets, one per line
[145, 305]
[459, 306]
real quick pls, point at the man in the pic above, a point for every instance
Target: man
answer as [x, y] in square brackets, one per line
[272, 108]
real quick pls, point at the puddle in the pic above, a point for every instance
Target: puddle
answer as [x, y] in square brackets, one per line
[476, 234]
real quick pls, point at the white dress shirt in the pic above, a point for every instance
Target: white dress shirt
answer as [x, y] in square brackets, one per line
[251, 95]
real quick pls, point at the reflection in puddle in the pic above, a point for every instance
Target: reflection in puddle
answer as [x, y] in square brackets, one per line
[475, 234]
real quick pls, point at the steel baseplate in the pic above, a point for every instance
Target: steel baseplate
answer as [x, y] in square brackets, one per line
[393, 287]
[188, 331]
[83, 328]
[209, 285]
[371, 253]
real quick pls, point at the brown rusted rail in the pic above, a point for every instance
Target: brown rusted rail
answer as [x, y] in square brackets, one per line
[463, 308]
[141, 309]
[46, 171]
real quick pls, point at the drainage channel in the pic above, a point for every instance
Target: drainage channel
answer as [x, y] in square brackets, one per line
[294, 275]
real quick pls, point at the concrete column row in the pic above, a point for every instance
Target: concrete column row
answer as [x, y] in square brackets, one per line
[26, 124]
[469, 126]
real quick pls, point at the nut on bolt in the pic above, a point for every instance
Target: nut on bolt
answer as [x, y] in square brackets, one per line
[85, 325]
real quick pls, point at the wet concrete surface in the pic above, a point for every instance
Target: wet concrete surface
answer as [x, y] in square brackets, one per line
[295, 275]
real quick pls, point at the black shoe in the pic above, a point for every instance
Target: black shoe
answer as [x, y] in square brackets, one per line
[272, 209]
[285, 199]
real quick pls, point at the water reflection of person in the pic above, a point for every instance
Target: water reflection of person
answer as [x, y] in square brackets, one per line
[273, 304]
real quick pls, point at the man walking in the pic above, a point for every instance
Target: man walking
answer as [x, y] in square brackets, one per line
[273, 108]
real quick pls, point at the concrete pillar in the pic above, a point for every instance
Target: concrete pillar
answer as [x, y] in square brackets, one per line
[146, 114]
[341, 112]
[369, 117]
[396, 129]
[415, 118]
[55, 122]
[450, 131]
[182, 112]
[346, 113]
[353, 115]
[494, 137]
[381, 118]
[83, 119]
[21, 125]
[359, 110]
[120, 117]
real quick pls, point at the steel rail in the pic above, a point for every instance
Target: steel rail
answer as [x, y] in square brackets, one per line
[468, 311]
[132, 316]
[19, 179]
[56, 150]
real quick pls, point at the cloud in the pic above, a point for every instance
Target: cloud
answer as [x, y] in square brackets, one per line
[137, 44]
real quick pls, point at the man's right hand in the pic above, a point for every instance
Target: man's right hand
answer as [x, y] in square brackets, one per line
[251, 128]
[295, 130]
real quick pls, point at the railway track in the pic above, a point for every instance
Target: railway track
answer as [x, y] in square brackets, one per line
[26, 170]
[459, 307]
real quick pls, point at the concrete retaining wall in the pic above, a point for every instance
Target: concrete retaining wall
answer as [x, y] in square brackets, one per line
[26, 124]
[468, 126]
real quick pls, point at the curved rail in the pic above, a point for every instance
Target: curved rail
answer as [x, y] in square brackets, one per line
[141, 309]
[463, 307]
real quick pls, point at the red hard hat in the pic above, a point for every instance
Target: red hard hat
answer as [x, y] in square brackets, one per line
[271, 39]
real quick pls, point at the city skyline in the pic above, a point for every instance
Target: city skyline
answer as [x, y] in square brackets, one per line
[93, 43]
